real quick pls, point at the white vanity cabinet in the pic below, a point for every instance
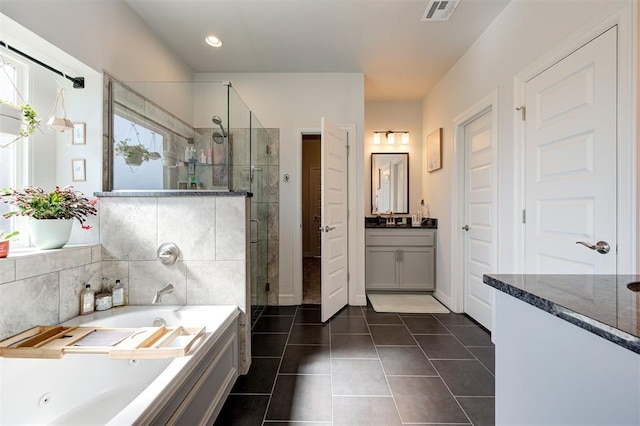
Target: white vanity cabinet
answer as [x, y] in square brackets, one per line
[400, 259]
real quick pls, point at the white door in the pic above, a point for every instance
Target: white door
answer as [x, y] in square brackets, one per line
[334, 287]
[570, 178]
[480, 216]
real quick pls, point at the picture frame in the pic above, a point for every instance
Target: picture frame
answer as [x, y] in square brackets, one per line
[434, 150]
[79, 134]
[78, 170]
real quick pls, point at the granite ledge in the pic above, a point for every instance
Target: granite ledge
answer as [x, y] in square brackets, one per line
[380, 223]
[608, 332]
[174, 193]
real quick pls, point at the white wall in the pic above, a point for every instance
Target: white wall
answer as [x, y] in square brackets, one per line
[395, 115]
[297, 101]
[522, 33]
[105, 35]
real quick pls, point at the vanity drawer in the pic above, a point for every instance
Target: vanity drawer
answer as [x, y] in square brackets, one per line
[400, 237]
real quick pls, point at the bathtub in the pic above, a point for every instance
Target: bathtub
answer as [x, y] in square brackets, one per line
[95, 390]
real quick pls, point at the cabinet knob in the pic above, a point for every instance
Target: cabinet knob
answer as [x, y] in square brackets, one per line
[466, 227]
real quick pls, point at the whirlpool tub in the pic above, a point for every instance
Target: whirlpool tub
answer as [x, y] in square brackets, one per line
[91, 389]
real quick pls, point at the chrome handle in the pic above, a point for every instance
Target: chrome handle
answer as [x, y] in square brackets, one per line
[168, 253]
[601, 247]
[327, 228]
[257, 231]
[466, 227]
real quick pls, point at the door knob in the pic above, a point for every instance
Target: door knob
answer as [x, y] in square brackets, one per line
[601, 247]
[466, 227]
[327, 228]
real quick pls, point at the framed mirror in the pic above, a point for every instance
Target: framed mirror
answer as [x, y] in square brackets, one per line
[389, 183]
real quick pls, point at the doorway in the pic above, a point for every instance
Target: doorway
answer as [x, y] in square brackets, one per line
[311, 219]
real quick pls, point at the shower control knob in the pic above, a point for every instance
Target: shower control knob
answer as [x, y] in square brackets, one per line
[168, 253]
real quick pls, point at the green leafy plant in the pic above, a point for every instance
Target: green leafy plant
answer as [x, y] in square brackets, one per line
[4, 236]
[132, 152]
[29, 118]
[63, 203]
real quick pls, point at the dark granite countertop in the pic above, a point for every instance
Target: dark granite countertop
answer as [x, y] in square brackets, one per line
[173, 193]
[606, 305]
[380, 223]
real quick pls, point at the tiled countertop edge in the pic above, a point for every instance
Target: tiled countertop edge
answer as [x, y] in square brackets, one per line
[605, 331]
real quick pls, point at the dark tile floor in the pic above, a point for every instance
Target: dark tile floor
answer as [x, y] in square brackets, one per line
[364, 368]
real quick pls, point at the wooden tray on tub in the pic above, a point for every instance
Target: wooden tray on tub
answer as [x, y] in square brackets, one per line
[119, 343]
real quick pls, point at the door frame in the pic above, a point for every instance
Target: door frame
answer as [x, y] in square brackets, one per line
[625, 18]
[356, 281]
[488, 103]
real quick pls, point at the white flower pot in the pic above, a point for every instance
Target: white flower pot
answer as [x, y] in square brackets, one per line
[50, 233]
[10, 119]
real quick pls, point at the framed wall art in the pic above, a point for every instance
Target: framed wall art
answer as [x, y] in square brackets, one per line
[78, 170]
[79, 134]
[434, 150]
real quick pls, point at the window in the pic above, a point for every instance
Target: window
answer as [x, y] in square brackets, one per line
[13, 74]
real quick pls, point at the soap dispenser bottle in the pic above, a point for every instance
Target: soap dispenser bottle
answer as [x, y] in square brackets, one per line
[87, 300]
[118, 294]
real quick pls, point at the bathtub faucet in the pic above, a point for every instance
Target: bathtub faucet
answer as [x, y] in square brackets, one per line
[168, 288]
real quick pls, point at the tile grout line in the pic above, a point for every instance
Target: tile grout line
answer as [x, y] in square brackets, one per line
[266, 411]
[386, 378]
[436, 370]
[467, 349]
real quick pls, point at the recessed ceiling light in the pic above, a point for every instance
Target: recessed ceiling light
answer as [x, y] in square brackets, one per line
[213, 41]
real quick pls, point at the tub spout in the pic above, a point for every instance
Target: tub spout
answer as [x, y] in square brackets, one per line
[168, 288]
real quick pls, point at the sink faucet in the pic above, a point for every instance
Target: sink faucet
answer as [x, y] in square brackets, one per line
[168, 288]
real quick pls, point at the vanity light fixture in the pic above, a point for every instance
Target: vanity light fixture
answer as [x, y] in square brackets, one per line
[391, 137]
[213, 41]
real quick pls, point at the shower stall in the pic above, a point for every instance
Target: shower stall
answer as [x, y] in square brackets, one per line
[192, 136]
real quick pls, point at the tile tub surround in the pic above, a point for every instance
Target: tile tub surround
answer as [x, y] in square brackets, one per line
[360, 369]
[43, 287]
[606, 305]
[211, 229]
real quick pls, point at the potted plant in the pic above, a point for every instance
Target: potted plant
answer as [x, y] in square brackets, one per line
[50, 214]
[133, 155]
[12, 117]
[5, 238]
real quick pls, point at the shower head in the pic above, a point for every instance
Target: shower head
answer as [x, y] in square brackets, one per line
[218, 121]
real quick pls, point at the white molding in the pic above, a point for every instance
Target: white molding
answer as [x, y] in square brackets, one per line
[286, 300]
[486, 104]
[444, 299]
[625, 18]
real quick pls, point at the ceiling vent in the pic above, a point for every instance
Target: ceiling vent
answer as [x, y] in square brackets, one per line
[440, 10]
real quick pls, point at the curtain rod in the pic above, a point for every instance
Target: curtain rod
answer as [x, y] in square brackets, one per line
[78, 82]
